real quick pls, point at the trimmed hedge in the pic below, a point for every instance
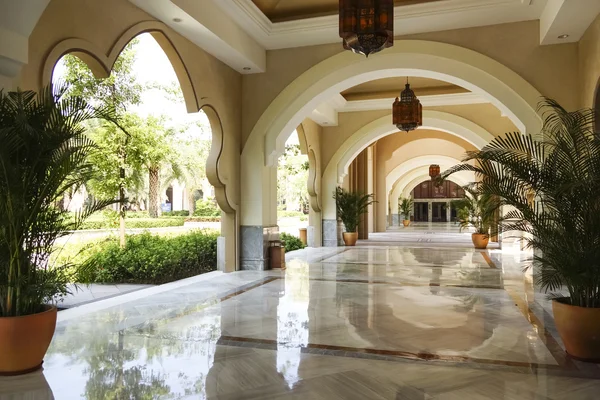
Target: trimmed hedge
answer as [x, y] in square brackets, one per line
[203, 219]
[151, 259]
[291, 242]
[135, 222]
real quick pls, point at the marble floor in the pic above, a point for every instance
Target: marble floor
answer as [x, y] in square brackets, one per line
[371, 322]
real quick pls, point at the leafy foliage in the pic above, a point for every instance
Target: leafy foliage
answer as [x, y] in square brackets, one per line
[405, 206]
[553, 188]
[291, 242]
[44, 154]
[207, 208]
[149, 258]
[292, 177]
[478, 210]
[350, 206]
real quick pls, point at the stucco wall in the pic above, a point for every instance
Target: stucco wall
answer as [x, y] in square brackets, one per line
[589, 64]
[550, 69]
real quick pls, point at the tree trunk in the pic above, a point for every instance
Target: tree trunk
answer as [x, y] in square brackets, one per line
[153, 197]
[191, 201]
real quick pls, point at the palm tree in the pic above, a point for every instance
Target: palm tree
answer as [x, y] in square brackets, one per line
[350, 206]
[405, 205]
[553, 187]
[44, 154]
[477, 210]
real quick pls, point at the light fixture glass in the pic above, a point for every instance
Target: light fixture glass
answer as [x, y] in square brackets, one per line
[407, 111]
[367, 26]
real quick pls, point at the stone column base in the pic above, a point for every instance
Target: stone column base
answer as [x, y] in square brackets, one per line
[254, 246]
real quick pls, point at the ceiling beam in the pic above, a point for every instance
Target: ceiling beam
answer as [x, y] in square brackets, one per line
[567, 17]
[209, 27]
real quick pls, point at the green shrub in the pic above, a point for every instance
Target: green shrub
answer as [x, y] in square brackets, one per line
[291, 242]
[135, 223]
[206, 208]
[152, 259]
[181, 213]
[290, 214]
[203, 219]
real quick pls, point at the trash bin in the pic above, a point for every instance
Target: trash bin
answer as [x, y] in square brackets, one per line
[276, 254]
[303, 235]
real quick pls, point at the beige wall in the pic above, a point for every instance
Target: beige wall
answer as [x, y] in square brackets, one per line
[589, 64]
[552, 70]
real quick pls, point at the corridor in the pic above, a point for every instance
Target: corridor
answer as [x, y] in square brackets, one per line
[371, 322]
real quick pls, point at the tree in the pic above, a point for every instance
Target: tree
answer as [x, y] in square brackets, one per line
[292, 177]
[152, 148]
[119, 91]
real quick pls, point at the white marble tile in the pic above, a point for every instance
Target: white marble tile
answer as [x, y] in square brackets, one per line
[338, 323]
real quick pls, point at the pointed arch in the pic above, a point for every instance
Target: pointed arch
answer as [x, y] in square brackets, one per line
[101, 64]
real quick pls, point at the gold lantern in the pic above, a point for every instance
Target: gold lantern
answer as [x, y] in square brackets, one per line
[434, 171]
[407, 111]
[367, 26]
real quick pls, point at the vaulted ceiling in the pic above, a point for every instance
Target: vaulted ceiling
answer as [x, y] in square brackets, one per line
[286, 10]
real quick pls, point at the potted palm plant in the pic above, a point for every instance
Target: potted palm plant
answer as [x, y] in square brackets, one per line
[478, 210]
[551, 183]
[43, 154]
[350, 206]
[405, 205]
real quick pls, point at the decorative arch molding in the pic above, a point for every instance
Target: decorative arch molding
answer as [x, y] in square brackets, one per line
[504, 88]
[214, 158]
[338, 165]
[314, 173]
[381, 127]
[416, 162]
[101, 63]
[596, 106]
[404, 185]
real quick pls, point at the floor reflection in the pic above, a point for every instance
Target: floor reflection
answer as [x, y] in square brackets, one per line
[379, 323]
[293, 321]
[138, 362]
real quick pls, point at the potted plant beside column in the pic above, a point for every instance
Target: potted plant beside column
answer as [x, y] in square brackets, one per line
[405, 206]
[43, 154]
[551, 182]
[350, 206]
[477, 210]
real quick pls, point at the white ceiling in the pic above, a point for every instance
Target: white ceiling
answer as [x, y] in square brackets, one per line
[239, 34]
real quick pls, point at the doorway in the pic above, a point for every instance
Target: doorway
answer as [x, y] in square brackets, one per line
[438, 212]
[421, 212]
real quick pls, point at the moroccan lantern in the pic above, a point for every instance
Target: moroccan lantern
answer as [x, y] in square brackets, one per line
[434, 171]
[407, 111]
[367, 26]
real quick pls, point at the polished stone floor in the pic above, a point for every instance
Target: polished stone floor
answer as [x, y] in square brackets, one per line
[371, 322]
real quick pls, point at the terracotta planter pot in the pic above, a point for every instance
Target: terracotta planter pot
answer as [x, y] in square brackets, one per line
[579, 329]
[350, 238]
[25, 340]
[303, 235]
[480, 241]
[406, 222]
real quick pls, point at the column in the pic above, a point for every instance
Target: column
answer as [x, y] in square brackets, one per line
[259, 209]
[449, 211]
[430, 211]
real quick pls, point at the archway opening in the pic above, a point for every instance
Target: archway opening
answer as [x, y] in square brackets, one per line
[292, 194]
[156, 165]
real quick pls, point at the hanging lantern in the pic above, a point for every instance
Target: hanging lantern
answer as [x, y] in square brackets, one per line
[434, 171]
[367, 26]
[407, 111]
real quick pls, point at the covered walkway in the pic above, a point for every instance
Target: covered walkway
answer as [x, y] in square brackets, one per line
[374, 322]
